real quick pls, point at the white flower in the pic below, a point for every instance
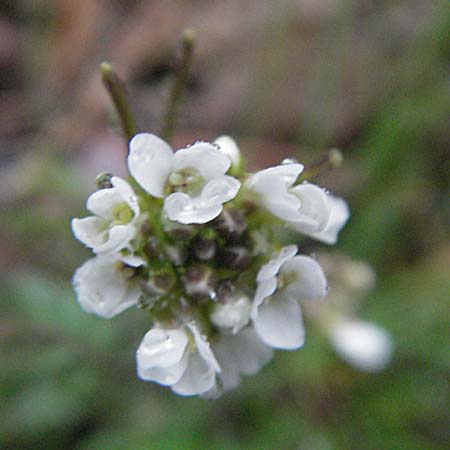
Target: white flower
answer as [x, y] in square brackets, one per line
[113, 224]
[228, 146]
[194, 177]
[241, 353]
[364, 345]
[103, 287]
[282, 282]
[339, 215]
[307, 208]
[232, 315]
[180, 358]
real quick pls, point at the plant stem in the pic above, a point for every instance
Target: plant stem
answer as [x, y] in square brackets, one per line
[181, 71]
[117, 91]
[330, 160]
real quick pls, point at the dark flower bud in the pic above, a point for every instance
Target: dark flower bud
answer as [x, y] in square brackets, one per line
[175, 254]
[199, 280]
[231, 224]
[158, 284]
[152, 249]
[225, 291]
[236, 257]
[177, 230]
[204, 248]
[103, 180]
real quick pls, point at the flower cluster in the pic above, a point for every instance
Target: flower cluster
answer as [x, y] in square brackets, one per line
[195, 242]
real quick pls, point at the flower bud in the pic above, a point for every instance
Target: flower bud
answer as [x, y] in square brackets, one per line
[103, 180]
[233, 315]
[225, 291]
[230, 224]
[177, 230]
[364, 345]
[228, 146]
[204, 248]
[158, 284]
[199, 281]
[175, 254]
[237, 257]
[152, 249]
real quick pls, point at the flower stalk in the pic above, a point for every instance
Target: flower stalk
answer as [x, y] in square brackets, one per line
[332, 159]
[181, 70]
[117, 91]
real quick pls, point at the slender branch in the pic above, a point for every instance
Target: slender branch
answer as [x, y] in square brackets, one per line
[117, 91]
[330, 160]
[181, 69]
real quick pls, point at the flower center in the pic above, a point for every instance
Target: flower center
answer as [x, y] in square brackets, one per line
[187, 179]
[285, 279]
[122, 214]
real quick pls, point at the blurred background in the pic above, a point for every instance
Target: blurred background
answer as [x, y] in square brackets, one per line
[284, 78]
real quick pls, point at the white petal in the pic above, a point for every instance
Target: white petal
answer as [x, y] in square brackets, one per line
[275, 196]
[102, 202]
[364, 345]
[203, 156]
[102, 289]
[220, 190]
[241, 353]
[339, 216]
[314, 212]
[127, 194]
[91, 231]
[264, 289]
[197, 379]
[310, 282]
[280, 324]
[118, 238]
[233, 315]
[182, 208]
[166, 376]
[287, 173]
[150, 162]
[133, 261]
[228, 146]
[162, 347]
[225, 352]
[203, 348]
[271, 268]
[251, 352]
[161, 356]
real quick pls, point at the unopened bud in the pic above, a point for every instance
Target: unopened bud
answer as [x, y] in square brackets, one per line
[152, 249]
[225, 291]
[233, 315]
[236, 257]
[335, 158]
[199, 280]
[175, 254]
[158, 284]
[203, 248]
[103, 180]
[177, 230]
[230, 224]
[228, 146]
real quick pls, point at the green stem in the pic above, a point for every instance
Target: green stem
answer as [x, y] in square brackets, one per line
[117, 91]
[330, 160]
[181, 71]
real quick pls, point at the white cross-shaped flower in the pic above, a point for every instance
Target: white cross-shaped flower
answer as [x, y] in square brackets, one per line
[281, 283]
[180, 358]
[103, 286]
[114, 222]
[305, 207]
[192, 180]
